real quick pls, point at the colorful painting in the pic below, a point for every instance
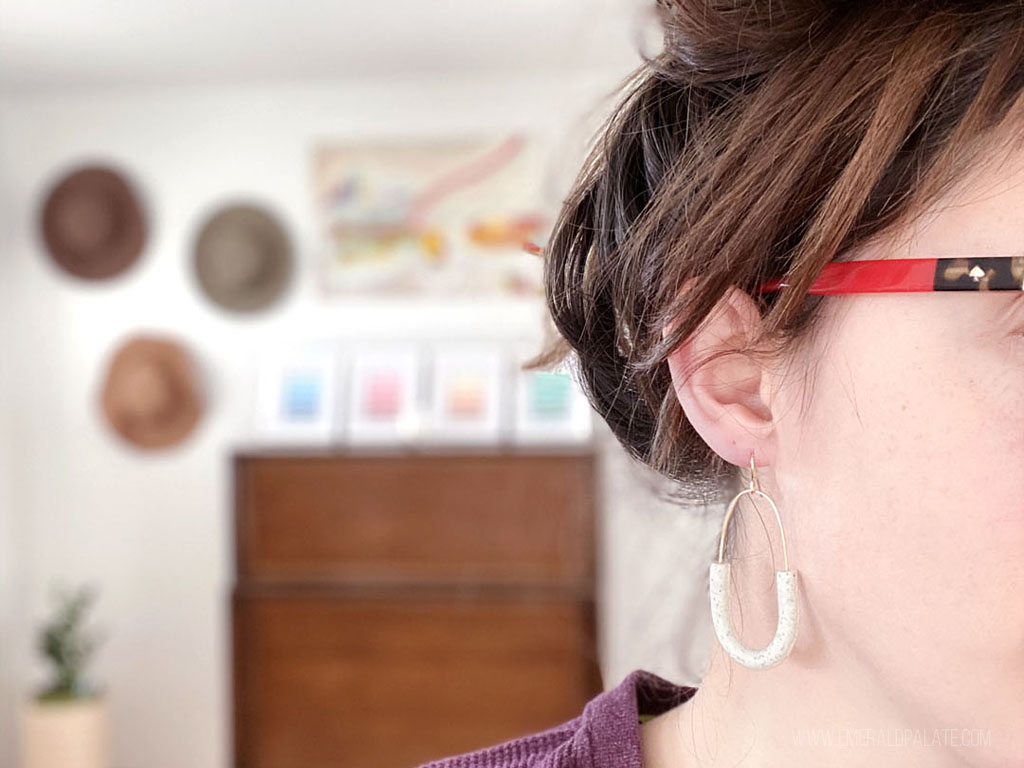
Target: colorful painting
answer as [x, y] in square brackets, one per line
[384, 407]
[550, 406]
[466, 393]
[302, 395]
[297, 393]
[441, 217]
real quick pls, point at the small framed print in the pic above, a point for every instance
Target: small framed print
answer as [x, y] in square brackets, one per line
[298, 396]
[383, 401]
[466, 394]
[550, 407]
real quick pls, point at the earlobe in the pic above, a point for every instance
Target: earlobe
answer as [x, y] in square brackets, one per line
[721, 394]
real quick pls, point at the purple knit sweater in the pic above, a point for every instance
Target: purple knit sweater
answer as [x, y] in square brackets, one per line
[605, 735]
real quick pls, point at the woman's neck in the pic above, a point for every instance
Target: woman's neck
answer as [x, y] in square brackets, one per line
[800, 713]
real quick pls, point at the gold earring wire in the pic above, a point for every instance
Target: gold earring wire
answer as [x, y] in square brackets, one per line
[755, 488]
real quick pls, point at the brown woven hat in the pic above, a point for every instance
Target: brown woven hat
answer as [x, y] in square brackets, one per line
[243, 258]
[92, 223]
[151, 394]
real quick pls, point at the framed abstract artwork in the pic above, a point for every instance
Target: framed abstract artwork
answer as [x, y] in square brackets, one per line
[383, 404]
[437, 217]
[298, 395]
[466, 393]
[550, 407]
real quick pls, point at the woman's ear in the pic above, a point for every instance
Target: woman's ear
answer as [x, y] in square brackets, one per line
[726, 400]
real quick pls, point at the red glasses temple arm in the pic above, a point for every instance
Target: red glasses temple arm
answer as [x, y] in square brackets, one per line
[961, 273]
[981, 273]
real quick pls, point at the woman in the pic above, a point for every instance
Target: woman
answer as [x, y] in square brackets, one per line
[883, 409]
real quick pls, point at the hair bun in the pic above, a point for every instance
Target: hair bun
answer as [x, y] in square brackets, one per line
[722, 39]
[718, 39]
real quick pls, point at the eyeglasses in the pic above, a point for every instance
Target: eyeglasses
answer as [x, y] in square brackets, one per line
[963, 273]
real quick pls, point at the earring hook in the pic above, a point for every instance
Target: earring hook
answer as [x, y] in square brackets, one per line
[755, 484]
[755, 487]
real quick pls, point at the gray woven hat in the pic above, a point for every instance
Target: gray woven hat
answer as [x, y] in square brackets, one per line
[243, 258]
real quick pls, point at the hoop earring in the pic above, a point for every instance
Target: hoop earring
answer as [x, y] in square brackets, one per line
[785, 588]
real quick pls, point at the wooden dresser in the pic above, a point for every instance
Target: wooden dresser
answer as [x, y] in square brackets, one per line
[393, 608]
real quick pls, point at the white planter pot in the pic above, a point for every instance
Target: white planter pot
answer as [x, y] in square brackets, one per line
[65, 734]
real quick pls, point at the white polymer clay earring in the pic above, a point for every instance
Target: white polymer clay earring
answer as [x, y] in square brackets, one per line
[785, 587]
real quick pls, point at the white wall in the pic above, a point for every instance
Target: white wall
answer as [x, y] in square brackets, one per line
[10, 588]
[154, 531]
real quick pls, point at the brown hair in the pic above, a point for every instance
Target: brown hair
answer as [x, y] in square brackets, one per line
[765, 140]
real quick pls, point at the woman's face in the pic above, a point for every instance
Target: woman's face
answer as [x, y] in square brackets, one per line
[899, 474]
[908, 469]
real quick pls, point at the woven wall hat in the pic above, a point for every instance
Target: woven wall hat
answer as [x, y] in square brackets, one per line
[151, 393]
[243, 258]
[92, 222]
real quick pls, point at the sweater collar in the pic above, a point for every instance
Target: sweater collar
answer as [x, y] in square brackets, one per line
[610, 732]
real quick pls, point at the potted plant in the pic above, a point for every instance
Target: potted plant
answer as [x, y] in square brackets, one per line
[65, 723]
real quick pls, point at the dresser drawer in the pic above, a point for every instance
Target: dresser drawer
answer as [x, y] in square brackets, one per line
[489, 518]
[334, 679]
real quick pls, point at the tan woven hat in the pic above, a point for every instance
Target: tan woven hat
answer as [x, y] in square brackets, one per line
[243, 259]
[92, 223]
[151, 394]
